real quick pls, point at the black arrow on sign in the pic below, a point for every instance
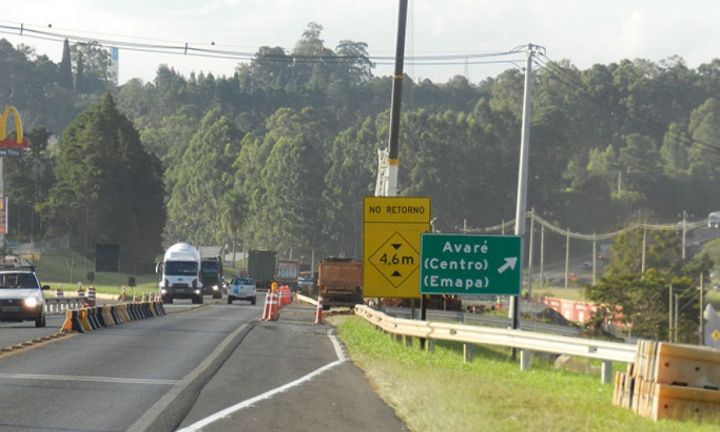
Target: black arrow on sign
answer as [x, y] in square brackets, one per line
[396, 274]
[396, 245]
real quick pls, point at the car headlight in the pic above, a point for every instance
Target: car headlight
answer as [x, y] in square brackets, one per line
[31, 302]
[163, 291]
[197, 291]
[215, 288]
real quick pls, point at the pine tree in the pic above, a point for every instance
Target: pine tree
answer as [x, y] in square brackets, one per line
[109, 188]
[65, 78]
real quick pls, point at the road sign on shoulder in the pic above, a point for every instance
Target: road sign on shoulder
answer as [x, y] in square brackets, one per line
[396, 210]
[391, 245]
[470, 264]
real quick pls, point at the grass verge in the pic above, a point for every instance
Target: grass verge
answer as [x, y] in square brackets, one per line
[438, 392]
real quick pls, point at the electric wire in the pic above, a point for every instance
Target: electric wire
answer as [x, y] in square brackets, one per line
[187, 49]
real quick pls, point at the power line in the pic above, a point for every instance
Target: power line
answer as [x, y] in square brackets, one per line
[187, 49]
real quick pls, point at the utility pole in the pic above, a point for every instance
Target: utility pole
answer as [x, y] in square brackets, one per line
[530, 252]
[670, 314]
[594, 259]
[520, 208]
[521, 205]
[677, 316]
[567, 256]
[701, 330]
[542, 255]
[395, 102]
[644, 246]
[684, 231]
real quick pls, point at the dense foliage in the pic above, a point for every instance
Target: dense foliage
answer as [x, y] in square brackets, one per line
[280, 154]
[642, 300]
[108, 188]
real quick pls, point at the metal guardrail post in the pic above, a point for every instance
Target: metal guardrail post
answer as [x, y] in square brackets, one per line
[524, 360]
[606, 372]
[468, 351]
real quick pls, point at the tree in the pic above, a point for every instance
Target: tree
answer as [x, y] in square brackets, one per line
[108, 188]
[92, 67]
[65, 78]
[200, 180]
[290, 204]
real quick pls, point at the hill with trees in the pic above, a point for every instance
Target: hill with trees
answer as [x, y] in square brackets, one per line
[291, 140]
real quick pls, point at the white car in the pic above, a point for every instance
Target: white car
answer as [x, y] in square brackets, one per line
[242, 288]
[21, 297]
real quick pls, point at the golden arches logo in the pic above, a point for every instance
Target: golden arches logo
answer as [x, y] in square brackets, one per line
[20, 141]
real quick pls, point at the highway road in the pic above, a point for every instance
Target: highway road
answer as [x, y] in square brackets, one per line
[214, 363]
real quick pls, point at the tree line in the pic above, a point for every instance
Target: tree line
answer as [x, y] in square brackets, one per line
[280, 154]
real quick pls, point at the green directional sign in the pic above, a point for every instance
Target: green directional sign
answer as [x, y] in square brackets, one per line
[470, 264]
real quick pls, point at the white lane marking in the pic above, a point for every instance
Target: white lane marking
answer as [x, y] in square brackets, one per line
[198, 425]
[336, 344]
[43, 377]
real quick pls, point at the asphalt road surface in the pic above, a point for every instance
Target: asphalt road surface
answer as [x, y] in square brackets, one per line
[161, 373]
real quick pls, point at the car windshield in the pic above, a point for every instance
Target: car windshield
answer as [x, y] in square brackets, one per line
[18, 280]
[210, 267]
[243, 281]
[181, 268]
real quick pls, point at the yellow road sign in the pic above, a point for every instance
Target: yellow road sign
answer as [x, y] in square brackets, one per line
[391, 245]
[396, 210]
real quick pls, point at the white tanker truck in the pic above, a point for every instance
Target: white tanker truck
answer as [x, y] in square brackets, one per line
[180, 274]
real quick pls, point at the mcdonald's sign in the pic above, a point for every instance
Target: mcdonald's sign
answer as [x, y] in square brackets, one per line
[12, 146]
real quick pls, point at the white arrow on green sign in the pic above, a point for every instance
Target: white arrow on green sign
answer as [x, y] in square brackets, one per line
[470, 264]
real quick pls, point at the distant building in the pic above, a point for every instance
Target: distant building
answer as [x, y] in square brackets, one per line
[114, 65]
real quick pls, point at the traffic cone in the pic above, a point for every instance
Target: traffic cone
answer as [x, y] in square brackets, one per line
[274, 310]
[319, 312]
[266, 308]
[280, 298]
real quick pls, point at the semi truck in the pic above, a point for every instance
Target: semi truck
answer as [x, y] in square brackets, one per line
[261, 267]
[340, 282]
[287, 272]
[211, 276]
[180, 274]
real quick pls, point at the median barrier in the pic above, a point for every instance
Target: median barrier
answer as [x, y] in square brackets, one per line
[82, 317]
[107, 317]
[87, 319]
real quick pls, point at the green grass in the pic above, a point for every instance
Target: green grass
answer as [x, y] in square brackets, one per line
[438, 392]
[63, 269]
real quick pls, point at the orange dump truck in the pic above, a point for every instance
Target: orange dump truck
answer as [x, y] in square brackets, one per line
[340, 282]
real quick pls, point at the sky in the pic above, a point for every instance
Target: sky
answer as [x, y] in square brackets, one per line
[581, 31]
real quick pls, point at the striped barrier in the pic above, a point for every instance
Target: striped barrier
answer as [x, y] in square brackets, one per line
[87, 319]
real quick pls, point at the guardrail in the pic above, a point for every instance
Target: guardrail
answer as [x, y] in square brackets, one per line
[484, 319]
[524, 340]
[306, 299]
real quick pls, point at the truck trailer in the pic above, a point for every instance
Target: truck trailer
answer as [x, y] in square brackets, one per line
[340, 282]
[287, 272]
[261, 267]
